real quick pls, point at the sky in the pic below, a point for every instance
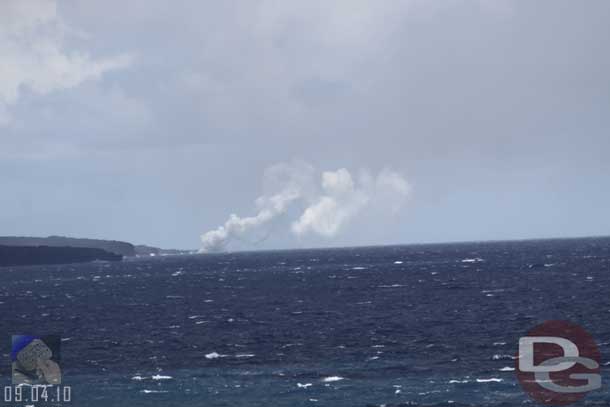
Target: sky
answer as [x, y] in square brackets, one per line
[153, 121]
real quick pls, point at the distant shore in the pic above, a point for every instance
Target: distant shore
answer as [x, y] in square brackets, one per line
[27, 250]
[42, 255]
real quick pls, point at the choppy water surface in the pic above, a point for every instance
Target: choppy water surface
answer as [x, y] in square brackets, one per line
[411, 325]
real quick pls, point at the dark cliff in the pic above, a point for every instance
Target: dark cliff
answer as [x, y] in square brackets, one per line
[112, 246]
[30, 255]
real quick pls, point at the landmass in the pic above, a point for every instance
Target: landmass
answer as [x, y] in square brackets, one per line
[112, 246]
[144, 250]
[40, 255]
[22, 250]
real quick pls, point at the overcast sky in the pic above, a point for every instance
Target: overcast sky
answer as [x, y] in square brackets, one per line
[152, 121]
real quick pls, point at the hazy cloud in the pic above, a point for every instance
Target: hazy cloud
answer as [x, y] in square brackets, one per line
[497, 110]
[34, 57]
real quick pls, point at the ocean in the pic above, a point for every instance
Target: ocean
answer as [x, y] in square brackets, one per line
[427, 325]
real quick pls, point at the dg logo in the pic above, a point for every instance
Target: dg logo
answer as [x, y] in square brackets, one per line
[558, 363]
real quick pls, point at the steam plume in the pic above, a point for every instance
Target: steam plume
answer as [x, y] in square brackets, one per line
[325, 207]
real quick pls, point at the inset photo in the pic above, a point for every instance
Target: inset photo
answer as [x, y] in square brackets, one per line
[36, 359]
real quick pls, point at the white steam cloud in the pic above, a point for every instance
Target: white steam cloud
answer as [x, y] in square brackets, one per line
[320, 208]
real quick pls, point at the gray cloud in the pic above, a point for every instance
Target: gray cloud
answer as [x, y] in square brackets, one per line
[32, 37]
[496, 110]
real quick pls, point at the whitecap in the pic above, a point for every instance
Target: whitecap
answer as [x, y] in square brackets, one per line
[503, 357]
[161, 377]
[304, 386]
[398, 262]
[214, 355]
[332, 379]
[507, 369]
[497, 290]
[490, 380]
[458, 381]
[473, 260]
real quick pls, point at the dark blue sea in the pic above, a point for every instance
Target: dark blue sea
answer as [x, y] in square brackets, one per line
[426, 325]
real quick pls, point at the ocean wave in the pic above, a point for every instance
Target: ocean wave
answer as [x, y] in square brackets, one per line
[331, 379]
